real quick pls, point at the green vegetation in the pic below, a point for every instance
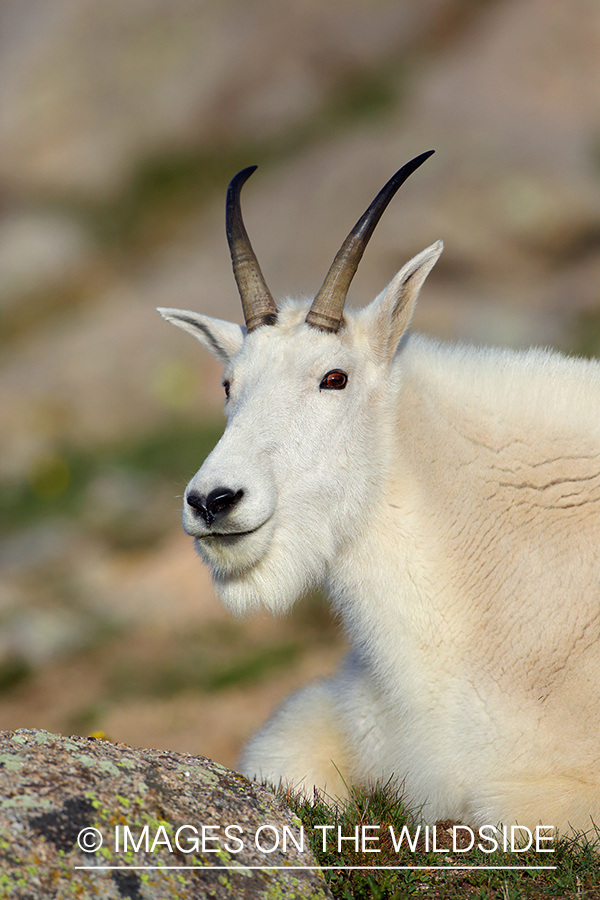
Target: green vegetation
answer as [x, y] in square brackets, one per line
[203, 665]
[13, 671]
[577, 873]
[585, 335]
[165, 188]
[58, 484]
[217, 656]
[254, 666]
[166, 191]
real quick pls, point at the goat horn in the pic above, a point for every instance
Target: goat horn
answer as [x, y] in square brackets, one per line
[257, 301]
[328, 306]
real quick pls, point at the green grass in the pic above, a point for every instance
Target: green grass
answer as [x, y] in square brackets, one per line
[577, 873]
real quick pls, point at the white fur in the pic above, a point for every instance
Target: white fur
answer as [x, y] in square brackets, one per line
[449, 500]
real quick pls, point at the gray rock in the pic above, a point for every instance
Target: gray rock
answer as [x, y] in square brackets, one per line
[54, 791]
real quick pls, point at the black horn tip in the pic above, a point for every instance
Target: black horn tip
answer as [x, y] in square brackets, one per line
[239, 180]
[408, 168]
[418, 160]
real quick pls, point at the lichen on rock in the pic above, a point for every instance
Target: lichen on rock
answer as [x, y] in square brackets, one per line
[81, 817]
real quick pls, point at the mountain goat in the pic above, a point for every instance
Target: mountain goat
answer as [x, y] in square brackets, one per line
[448, 498]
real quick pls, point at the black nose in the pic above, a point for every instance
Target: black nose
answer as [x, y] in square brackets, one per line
[220, 500]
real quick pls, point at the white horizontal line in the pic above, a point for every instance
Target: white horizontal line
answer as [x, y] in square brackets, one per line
[242, 868]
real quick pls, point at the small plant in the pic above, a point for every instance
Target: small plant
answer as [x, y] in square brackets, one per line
[391, 873]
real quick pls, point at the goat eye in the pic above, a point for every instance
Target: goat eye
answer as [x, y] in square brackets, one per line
[226, 385]
[334, 381]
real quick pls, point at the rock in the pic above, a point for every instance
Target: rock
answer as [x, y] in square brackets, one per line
[60, 794]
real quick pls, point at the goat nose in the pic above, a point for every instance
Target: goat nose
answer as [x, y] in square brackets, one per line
[219, 500]
[222, 499]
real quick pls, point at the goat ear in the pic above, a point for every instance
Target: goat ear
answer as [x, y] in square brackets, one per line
[223, 339]
[389, 315]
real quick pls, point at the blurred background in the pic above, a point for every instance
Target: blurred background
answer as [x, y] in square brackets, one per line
[120, 127]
